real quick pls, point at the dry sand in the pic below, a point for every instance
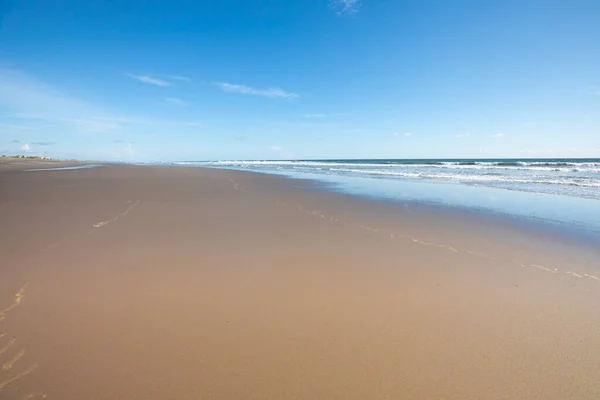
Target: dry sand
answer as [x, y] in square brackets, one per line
[182, 283]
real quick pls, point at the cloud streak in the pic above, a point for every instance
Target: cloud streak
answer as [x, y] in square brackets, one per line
[342, 7]
[150, 80]
[176, 101]
[26, 98]
[179, 78]
[43, 143]
[128, 150]
[243, 89]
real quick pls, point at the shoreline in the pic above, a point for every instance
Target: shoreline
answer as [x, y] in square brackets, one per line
[162, 282]
[505, 226]
[577, 178]
[553, 231]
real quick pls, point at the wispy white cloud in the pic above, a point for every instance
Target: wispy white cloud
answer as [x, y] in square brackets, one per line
[407, 133]
[243, 89]
[124, 151]
[150, 80]
[26, 148]
[179, 78]
[403, 134]
[275, 148]
[498, 135]
[345, 6]
[27, 99]
[174, 100]
[128, 150]
[462, 135]
[43, 143]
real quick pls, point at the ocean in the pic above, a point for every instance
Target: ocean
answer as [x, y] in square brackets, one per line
[574, 177]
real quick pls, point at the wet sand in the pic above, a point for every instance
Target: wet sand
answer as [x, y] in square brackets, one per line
[137, 282]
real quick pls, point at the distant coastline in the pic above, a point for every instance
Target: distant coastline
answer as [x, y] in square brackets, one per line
[21, 162]
[24, 157]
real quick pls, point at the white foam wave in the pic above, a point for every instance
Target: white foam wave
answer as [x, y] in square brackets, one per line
[581, 179]
[476, 178]
[592, 167]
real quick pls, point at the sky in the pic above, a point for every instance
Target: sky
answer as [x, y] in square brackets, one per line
[144, 80]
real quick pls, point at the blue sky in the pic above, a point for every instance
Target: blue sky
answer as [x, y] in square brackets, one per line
[269, 79]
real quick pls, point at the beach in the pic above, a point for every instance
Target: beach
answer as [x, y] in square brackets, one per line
[148, 282]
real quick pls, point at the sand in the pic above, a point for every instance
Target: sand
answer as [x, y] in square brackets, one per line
[137, 282]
